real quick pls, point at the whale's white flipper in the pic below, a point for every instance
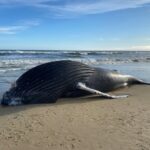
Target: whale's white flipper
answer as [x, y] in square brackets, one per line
[82, 86]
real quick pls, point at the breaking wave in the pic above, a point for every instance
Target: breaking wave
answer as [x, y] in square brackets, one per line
[25, 59]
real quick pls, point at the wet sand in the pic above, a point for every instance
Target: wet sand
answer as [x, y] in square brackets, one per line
[80, 124]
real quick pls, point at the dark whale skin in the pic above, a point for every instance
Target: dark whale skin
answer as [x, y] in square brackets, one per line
[48, 82]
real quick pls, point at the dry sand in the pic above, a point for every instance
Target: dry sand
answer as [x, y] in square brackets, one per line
[80, 124]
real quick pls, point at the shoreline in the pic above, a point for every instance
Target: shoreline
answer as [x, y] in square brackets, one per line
[80, 123]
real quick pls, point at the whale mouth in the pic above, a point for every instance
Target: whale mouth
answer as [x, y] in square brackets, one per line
[11, 102]
[15, 102]
[7, 100]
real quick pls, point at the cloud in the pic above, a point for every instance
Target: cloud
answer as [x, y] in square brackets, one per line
[30, 23]
[18, 28]
[100, 6]
[11, 29]
[77, 7]
[7, 2]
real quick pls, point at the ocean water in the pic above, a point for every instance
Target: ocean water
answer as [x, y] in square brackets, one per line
[15, 62]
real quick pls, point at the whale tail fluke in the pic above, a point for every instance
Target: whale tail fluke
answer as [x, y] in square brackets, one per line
[142, 82]
[134, 80]
[139, 81]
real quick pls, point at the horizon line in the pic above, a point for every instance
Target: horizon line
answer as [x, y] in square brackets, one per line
[74, 49]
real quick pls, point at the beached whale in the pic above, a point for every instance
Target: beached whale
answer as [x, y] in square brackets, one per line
[48, 82]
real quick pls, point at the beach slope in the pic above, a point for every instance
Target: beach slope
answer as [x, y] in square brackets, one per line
[91, 123]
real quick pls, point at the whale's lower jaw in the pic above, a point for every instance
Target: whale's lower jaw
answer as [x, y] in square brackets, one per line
[12, 102]
[15, 102]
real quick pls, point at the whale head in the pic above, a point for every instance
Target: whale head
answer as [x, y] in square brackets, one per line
[10, 97]
[9, 100]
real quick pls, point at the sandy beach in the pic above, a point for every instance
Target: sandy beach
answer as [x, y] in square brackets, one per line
[80, 124]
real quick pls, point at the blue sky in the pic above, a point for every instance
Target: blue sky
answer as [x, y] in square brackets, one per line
[75, 24]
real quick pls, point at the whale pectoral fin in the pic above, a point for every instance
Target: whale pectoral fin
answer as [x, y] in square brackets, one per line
[82, 86]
